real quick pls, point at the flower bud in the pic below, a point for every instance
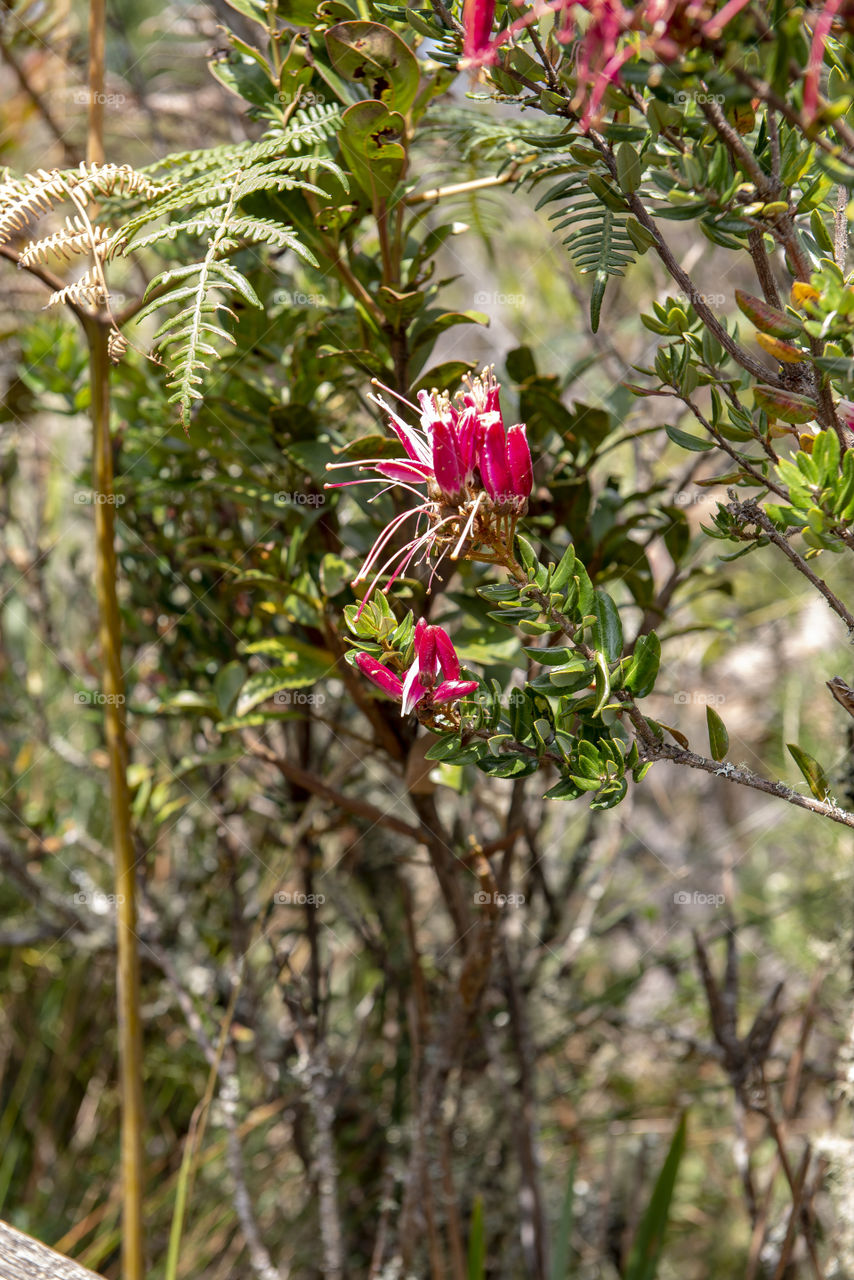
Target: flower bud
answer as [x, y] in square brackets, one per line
[519, 461]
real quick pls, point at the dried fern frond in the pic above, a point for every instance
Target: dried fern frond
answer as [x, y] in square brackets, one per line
[117, 345]
[74, 238]
[24, 199]
[28, 23]
[88, 291]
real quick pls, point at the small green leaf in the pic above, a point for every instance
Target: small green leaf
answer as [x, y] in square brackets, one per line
[686, 441]
[227, 685]
[563, 790]
[646, 660]
[767, 319]
[608, 631]
[718, 736]
[603, 683]
[629, 172]
[785, 404]
[563, 569]
[527, 555]
[443, 749]
[812, 771]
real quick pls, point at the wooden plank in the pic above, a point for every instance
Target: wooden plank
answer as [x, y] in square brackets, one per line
[23, 1258]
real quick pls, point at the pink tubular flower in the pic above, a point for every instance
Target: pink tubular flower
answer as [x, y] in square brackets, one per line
[383, 677]
[519, 459]
[471, 478]
[493, 463]
[478, 16]
[816, 58]
[434, 657]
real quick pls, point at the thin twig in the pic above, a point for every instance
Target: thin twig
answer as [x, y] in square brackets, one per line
[840, 238]
[750, 512]
[653, 748]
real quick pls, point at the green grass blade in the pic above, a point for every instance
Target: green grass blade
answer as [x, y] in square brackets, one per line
[646, 1250]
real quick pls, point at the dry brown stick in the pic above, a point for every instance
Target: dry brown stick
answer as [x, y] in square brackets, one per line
[310, 782]
[533, 1213]
[792, 1224]
[452, 1212]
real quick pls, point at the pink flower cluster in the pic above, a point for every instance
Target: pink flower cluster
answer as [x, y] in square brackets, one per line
[435, 657]
[472, 478]
[665, 27]
[463, 447]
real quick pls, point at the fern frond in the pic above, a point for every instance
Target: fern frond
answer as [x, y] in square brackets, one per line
[473, 136]
[265, 231]
[188, 329]
[215, 189]
[21, 201]
[85, 292]
[117, 345]
[241, 228]
[200, 194]
[310, 127]
[74, 238]
[597, 239]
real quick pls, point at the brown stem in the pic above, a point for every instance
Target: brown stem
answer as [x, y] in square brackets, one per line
[765, 275]
[460, 188]
[109, 629]
[310, 782]
[97, 57]
[682, 278]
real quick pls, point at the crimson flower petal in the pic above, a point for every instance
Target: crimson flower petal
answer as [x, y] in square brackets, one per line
[467, 434]
[448, 660]
[417, 472]
[519, 461]
[447, 463]
[425, 648]
[381, 676]
[478, 16]
[453, 690]
[493, 464]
